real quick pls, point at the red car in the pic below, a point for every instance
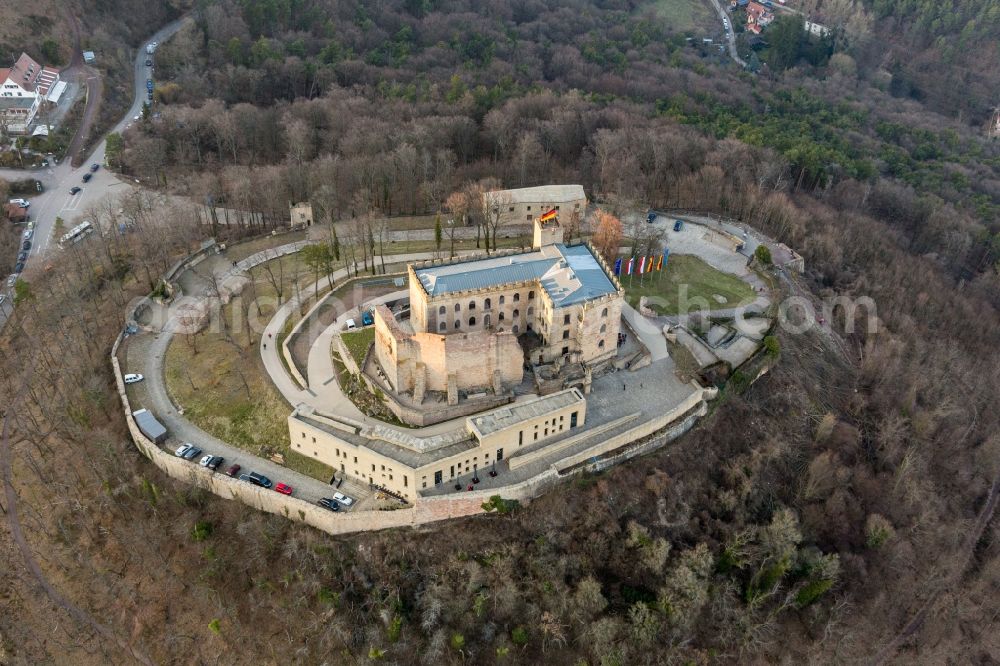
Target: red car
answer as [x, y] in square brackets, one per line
[233, 471]
[283, 488]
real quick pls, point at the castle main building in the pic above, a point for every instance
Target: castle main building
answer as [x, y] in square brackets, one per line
[466, 316]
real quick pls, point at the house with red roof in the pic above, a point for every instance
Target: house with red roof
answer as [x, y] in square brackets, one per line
[758, 17]
[23, 88]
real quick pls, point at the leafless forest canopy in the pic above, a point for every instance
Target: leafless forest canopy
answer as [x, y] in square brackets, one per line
[810, 518]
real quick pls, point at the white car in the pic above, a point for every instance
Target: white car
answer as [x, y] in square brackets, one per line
[204, 461]
[11, 280]
[23, 203]
[28, 233]
[184, 448]
[343, 499]
[350, 325]
[132, 378]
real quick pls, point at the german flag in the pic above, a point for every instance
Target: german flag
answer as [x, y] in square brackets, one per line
[551, 215]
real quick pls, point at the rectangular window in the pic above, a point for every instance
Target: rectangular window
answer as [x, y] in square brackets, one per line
[355, 460]
[373, 467]
[383, 468]
[314, 440]
[499, 454]
[536, 437]
[520, 438]
[437, 478]
[565, 350]
[566, 319]
[303, 435]
[406, 482]
[566, 334]
[338, 452]
[572, 420]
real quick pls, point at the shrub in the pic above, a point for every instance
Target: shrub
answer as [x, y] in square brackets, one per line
[519, 636]
[771, 345]
[878, 530]
[215, 626]
[202, 530]
[812, 592]
[763, 254]
[457, 641]
[500, 505]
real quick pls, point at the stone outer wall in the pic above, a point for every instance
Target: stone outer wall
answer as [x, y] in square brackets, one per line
[425, 509]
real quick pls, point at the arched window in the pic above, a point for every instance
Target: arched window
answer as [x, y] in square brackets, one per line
[501, 300]
[604, 313]
[604, 328]
[486, 321]
[531, 295]
[600, 345]
[442, 326]
[472, 321]
[458, 307]
[516, 329]
[472, 305]
[487, 304]
[458, 324]
[516, 312]
[517, 297]
[529, 326]
[531, 310]
[500, 317]
[441, 310]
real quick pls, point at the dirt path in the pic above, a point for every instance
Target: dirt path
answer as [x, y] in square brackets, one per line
[17, 532]
[91, 78]
[917, 621]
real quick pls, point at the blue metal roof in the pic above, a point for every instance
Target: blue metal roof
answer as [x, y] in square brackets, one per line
[569, 274]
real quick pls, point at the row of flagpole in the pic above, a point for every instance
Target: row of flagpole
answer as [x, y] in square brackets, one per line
[642, 265]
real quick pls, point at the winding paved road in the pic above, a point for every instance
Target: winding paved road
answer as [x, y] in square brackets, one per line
[56, 201]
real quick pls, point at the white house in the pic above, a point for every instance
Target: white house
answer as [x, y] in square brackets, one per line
[23, 88]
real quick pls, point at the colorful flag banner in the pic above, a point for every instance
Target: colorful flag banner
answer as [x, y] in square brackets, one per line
[551, 215]
[618, 266]
[659, 264]
[628, 269]
[642, 265]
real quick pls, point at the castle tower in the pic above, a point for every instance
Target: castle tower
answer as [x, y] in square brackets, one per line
[547, 232]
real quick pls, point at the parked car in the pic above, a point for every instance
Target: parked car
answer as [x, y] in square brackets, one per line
[283, 488]
[204, 461]
[23, 256]
[329, 503]
[367, 319]
[3, 298]
[350, 325]
[132, 378]
[192, 453]
[183, 449]
[18, 267]
[12, 280]
[149, 63]
[26, 245]
[259, 479]
[23, 203]
[87, 177]
[343, 499]
[650, 217]
[678, 224]
[74, 189]
[28, 233]
[233, 470]
[95, 166]
[214, 463]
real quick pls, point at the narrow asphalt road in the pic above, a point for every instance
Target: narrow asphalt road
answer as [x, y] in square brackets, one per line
[730, 36]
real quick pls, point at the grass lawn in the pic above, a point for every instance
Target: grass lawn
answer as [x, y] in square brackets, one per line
[223, 388]
[702, 282]
[357, 342]
[682, 15]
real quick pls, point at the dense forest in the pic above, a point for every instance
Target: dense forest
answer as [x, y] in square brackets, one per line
[809, 519]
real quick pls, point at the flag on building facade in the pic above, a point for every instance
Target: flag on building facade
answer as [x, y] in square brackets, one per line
[618, 266]
[551, 215]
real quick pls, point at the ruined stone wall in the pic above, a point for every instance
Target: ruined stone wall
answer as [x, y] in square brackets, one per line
[471, 357]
